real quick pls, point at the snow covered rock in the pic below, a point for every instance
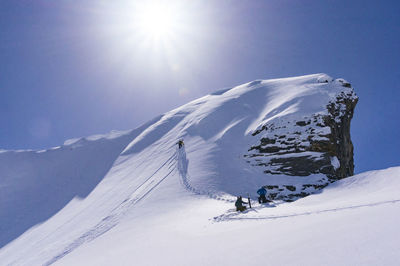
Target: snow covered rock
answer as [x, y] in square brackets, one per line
[310, 140]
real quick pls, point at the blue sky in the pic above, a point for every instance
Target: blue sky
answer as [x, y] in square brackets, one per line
[69, 70]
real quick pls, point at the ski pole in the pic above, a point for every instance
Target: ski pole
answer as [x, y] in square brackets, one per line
[248, 197]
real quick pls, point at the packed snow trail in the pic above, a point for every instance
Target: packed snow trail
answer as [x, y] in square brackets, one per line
[118, 212]
[183, 163]
[244, 216]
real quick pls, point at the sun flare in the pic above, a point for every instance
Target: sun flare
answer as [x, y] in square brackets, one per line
[157, 20]
[158, 33]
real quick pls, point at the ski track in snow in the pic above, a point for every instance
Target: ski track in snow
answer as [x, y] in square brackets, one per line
[240, 216]
[117, 213]
[177, 161]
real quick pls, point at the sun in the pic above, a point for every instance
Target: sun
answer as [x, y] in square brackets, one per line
[157, 20]
[162, 35]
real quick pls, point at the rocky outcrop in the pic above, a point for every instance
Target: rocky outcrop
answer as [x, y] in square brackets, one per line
[340, 114]
[315, 145]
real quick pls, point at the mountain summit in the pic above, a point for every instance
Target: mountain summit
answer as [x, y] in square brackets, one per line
[291, 136]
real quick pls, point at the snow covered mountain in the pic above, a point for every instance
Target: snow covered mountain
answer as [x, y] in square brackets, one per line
[122, 198]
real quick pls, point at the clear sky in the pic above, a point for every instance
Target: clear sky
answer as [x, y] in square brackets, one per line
[77, 68]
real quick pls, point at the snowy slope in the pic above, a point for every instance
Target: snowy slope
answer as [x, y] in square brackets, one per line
[353, 222]
[119, 199]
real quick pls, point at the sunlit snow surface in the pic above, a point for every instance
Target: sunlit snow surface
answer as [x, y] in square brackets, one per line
[133, 198]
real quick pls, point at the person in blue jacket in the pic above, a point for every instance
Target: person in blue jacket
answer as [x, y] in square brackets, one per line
[262, 192]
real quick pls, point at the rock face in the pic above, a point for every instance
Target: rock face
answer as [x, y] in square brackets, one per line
[315, 144]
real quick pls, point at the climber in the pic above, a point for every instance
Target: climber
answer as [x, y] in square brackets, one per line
[239, 204]
[262, 192]
[180, 143]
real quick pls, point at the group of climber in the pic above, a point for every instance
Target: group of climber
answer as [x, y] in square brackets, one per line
[261, 199]
[239, 201]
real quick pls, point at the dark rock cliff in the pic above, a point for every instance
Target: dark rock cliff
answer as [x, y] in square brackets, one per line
[319, 144]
